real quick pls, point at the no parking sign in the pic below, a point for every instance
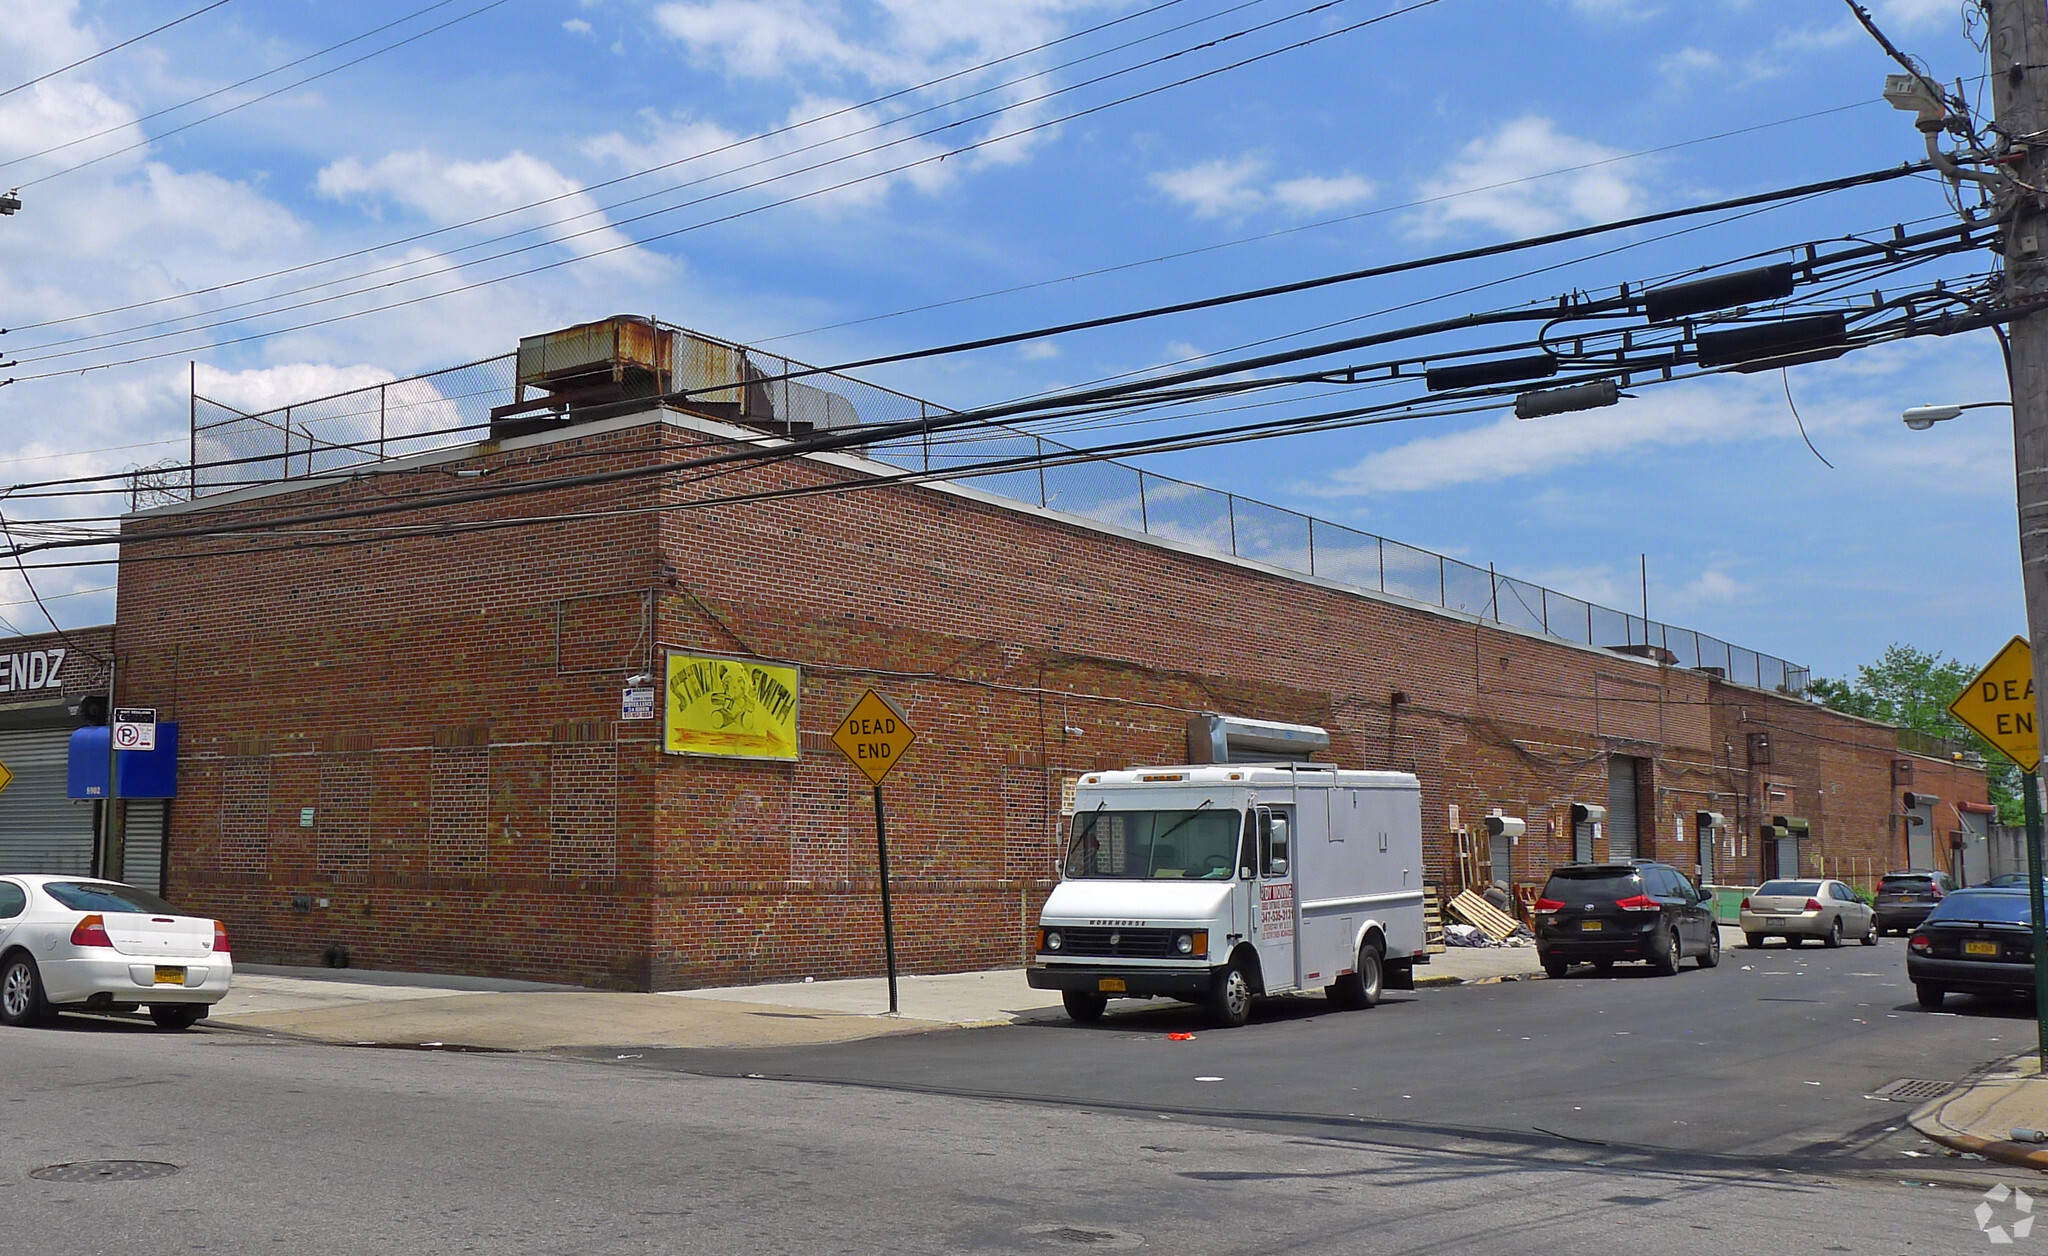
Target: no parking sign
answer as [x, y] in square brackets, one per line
[134, 728]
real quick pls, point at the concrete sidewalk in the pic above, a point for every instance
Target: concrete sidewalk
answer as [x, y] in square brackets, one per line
[1981, 1114]
[357, 1007]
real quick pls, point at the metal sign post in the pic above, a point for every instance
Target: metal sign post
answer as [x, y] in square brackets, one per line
[873, 736]
[1999, 704]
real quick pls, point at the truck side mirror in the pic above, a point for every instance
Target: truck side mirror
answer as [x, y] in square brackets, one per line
[1279, 867]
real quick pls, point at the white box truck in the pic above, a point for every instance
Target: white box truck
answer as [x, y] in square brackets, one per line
[1217, 883]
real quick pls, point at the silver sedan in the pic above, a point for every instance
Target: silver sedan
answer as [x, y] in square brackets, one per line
[1798, 910]
[77, 942]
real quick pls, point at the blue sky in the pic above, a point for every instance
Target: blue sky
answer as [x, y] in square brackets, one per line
[1910, 537]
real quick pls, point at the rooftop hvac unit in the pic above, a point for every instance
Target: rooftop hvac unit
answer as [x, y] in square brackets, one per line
[623, 358]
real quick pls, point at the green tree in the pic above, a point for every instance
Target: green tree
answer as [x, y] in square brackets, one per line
[1912, 689]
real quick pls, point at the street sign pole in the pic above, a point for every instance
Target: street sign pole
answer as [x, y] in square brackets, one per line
[2032, 784]
[873, 737]
[888, 913]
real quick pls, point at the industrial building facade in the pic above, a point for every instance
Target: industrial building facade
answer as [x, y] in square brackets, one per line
[425, 744]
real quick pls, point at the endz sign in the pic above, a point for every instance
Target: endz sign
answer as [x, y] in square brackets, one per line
[37, 669]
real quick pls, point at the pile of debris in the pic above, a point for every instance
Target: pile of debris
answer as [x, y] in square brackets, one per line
[1484, 924]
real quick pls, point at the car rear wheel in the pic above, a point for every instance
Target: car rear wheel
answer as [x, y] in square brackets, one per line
[1712, 955]
[1834, 937]
[1230, 1001]
[1555, 968]
[1929, 995]
[1754, 941]
[1082, 1007]
[21, 992]
[176, 1016]
[1666, 960]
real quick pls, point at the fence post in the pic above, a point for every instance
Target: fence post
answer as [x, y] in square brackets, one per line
[1493, 593]
[1443, 587]
[382, 452]
[1144, 517]
[1230, 506]
[1311, 543]
[1543, 601]
[1382, 541]
[924, 417]
[1038, 448]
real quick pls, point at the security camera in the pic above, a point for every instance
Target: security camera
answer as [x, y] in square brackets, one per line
[639, 678]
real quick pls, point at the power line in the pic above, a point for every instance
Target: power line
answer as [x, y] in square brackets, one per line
[624, 178]
[733, 216]
[146, 142]
[133, 39]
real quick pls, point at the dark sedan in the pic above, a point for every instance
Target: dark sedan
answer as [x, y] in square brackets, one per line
[1978, 941]
[1904, 898]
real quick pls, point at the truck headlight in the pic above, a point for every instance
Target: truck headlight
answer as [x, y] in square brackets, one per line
[1185, 944]
[1052, 941]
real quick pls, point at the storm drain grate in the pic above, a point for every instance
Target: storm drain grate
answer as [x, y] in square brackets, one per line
[1910, 1090]
[104, 1171]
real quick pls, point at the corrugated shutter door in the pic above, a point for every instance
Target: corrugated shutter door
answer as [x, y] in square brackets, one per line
[40, 829]
[1621, 808]
[143, 845]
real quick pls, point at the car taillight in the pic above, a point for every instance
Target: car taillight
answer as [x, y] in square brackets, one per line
[1548, 906]
[1641, 902]
[1745, 904]
[220, 938]
[1938, 892]
[1813, 904]
[91, 931]
[1920, 944]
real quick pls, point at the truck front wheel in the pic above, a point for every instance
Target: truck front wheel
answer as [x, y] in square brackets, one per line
[1230, 1000]
[1082, 1007]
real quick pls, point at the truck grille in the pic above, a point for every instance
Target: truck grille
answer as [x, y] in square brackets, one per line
[1124, 943]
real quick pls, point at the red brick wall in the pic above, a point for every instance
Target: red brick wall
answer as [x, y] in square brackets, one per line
[449, 708]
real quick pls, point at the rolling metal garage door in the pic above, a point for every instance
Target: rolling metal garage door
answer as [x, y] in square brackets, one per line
[40, 829]
[142, 844]
[1621, 809]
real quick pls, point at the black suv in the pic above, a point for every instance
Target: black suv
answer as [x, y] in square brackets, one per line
[1600, 913]
[1905, 897]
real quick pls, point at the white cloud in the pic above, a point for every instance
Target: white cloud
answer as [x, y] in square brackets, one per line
[1626, 10]
[447, 191]
[1906, 14]
[1689, 61]
[840, 145]
[266, 388]
[576, 26]
[1039, 351]
[1526, 147]
[1234, 186]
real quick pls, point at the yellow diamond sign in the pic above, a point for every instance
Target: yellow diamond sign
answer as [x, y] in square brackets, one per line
[6, 776]
[874, 736]
[1999, 704]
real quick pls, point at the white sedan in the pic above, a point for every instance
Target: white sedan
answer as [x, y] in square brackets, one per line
[90, 945]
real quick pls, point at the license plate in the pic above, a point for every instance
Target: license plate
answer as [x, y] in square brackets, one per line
[1110, 985]
[1591, 926]
[170, 976]
[1774, 920]
[1980, 948]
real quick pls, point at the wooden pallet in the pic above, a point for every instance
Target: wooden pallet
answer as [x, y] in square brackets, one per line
[1483, 916]
[1432, 919]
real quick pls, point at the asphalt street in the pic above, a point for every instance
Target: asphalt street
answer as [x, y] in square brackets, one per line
[1714, 1112]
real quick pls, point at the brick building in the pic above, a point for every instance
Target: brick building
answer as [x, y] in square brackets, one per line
[405, 741]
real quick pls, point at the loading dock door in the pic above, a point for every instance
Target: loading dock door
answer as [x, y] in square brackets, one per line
[41, 829]
[1621, 809]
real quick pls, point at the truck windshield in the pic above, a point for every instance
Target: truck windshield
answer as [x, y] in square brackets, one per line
[1143, 845]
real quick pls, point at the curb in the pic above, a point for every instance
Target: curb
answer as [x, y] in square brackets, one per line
[1447, 979]
[1927, 1120]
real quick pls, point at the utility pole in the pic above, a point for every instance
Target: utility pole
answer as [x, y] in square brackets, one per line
[2018, 48]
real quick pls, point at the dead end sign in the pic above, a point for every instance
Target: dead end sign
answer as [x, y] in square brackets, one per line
[1999, 705]
[874, 736]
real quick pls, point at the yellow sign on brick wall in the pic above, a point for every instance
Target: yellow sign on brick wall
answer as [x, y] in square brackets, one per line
[736, 708]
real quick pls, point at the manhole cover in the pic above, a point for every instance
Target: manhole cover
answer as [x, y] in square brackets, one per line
[1062, 1235]
[104, 1171]
[1910, 1090]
